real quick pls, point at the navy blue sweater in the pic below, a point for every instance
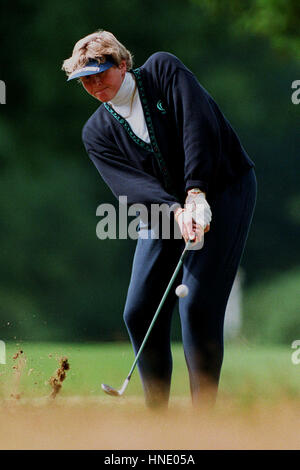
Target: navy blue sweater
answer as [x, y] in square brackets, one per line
[192, 143]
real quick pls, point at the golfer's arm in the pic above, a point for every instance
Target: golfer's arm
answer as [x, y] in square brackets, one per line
[197, 127]
[126, 180]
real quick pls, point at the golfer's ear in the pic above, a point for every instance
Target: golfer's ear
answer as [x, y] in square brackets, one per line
[122, 65]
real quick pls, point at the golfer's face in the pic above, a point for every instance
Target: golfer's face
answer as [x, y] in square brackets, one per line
[105, 85]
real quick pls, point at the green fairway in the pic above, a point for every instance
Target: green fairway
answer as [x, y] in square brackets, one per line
[249, 372]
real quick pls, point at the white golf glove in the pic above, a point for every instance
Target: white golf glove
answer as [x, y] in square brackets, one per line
[197, 205]
[194, 219]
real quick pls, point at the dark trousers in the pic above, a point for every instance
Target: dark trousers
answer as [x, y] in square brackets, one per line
[209, 274]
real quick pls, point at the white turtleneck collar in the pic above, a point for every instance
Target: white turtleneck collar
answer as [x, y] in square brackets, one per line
[129, 105]
[124, 95]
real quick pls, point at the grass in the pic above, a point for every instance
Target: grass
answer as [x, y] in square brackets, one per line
[249, 373]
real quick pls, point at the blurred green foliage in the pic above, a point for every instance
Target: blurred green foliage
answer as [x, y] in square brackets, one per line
[57, 280]
[277, 20]
[272, 309]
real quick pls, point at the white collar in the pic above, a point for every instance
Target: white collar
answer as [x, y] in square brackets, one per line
[124, 94]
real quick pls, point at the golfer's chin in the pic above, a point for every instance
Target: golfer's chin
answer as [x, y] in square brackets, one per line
[104, 95]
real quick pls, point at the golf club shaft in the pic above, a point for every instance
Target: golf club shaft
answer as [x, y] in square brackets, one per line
[158, 309]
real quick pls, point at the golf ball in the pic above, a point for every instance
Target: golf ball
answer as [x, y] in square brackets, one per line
[182, 290]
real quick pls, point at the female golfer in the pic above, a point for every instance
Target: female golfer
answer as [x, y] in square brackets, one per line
[159, 138]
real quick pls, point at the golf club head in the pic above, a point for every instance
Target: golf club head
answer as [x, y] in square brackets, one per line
[110, 391]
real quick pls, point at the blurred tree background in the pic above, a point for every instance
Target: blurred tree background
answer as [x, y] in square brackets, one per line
[57, 280]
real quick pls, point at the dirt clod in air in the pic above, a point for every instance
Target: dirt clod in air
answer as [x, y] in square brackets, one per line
[18, 368]
[56, 380]
[17, 355]
[16, 396]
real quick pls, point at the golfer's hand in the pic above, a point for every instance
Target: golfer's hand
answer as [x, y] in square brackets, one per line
[198, 206]
[189, 229]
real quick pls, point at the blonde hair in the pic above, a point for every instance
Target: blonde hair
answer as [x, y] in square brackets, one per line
[97, 46]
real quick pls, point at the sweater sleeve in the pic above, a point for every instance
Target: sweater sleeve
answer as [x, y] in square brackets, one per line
[121, 176]
[197, 128]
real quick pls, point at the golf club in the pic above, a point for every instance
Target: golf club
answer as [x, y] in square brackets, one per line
[117, 393]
